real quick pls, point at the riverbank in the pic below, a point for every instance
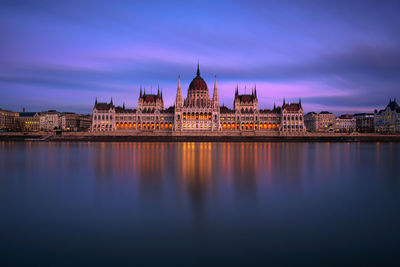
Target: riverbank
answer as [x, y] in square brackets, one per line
[193, 137]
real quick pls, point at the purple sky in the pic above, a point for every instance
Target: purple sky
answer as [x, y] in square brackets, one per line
[342, 56]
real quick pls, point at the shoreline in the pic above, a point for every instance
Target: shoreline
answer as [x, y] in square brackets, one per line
[193, 137]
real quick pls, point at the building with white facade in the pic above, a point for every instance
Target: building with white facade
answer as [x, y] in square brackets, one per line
[50, 120]
[345, 124]
[388, 120]
[198, 112]
[8, 120]
[320, 122]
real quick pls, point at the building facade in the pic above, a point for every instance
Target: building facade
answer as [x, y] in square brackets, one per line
[50, 120]
[320, 122]
[197, 112]
[73, 122]
[8, 120]
[292, 117]
[388, 120]
[345, 124]
[29, 121]
[365, 122]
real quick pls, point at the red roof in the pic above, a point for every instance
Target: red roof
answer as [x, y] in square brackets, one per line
[294, 107]
[246, 98]
[151, 98]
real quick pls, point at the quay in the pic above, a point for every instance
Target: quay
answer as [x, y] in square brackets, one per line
[146, 136]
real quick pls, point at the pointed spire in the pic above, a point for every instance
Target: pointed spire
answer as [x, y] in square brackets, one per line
[158, 90]
[161, 93]
[283, 101]
[95, 101]
[198, 69]
[141, 94]
[178, 99]
[255, 91]
[274, 106]
[300, 101]
[215, 94]
[111, 101]
[123, 106]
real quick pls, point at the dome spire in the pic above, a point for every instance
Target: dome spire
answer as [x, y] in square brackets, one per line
[198, 69]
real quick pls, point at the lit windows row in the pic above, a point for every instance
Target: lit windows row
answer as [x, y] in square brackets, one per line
[144, 125]
[247, 126]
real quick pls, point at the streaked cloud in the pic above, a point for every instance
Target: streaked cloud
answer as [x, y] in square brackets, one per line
[65, 53]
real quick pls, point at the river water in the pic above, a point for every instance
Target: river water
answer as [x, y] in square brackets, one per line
[199, 203]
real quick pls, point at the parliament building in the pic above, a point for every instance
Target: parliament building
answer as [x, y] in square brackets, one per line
[198, 112]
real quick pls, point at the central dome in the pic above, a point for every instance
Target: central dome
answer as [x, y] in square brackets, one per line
[197, 95]
[198, 84]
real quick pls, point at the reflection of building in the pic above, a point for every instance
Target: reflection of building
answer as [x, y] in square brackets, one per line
[29, 121]
[50, 120]
[320, 122]
[364, 122]
[8, 120]
[388, 120]
[197, 113]
[345, 124]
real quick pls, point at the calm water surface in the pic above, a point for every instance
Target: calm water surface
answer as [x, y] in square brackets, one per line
[199, 203]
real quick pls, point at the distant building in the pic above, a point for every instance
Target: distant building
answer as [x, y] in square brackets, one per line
[364, 122]
[29, 121]
[311, 121]
[345, 124]
[73, 122]
[50, 120]
[85, 122]
[320, 122]
[8, 120]
[198, 112]
[388, 120]
[326, 121]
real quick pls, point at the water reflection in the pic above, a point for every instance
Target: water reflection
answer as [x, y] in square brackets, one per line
[182, 200]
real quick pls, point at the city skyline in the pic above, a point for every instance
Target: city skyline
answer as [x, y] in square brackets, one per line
[64, 55]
